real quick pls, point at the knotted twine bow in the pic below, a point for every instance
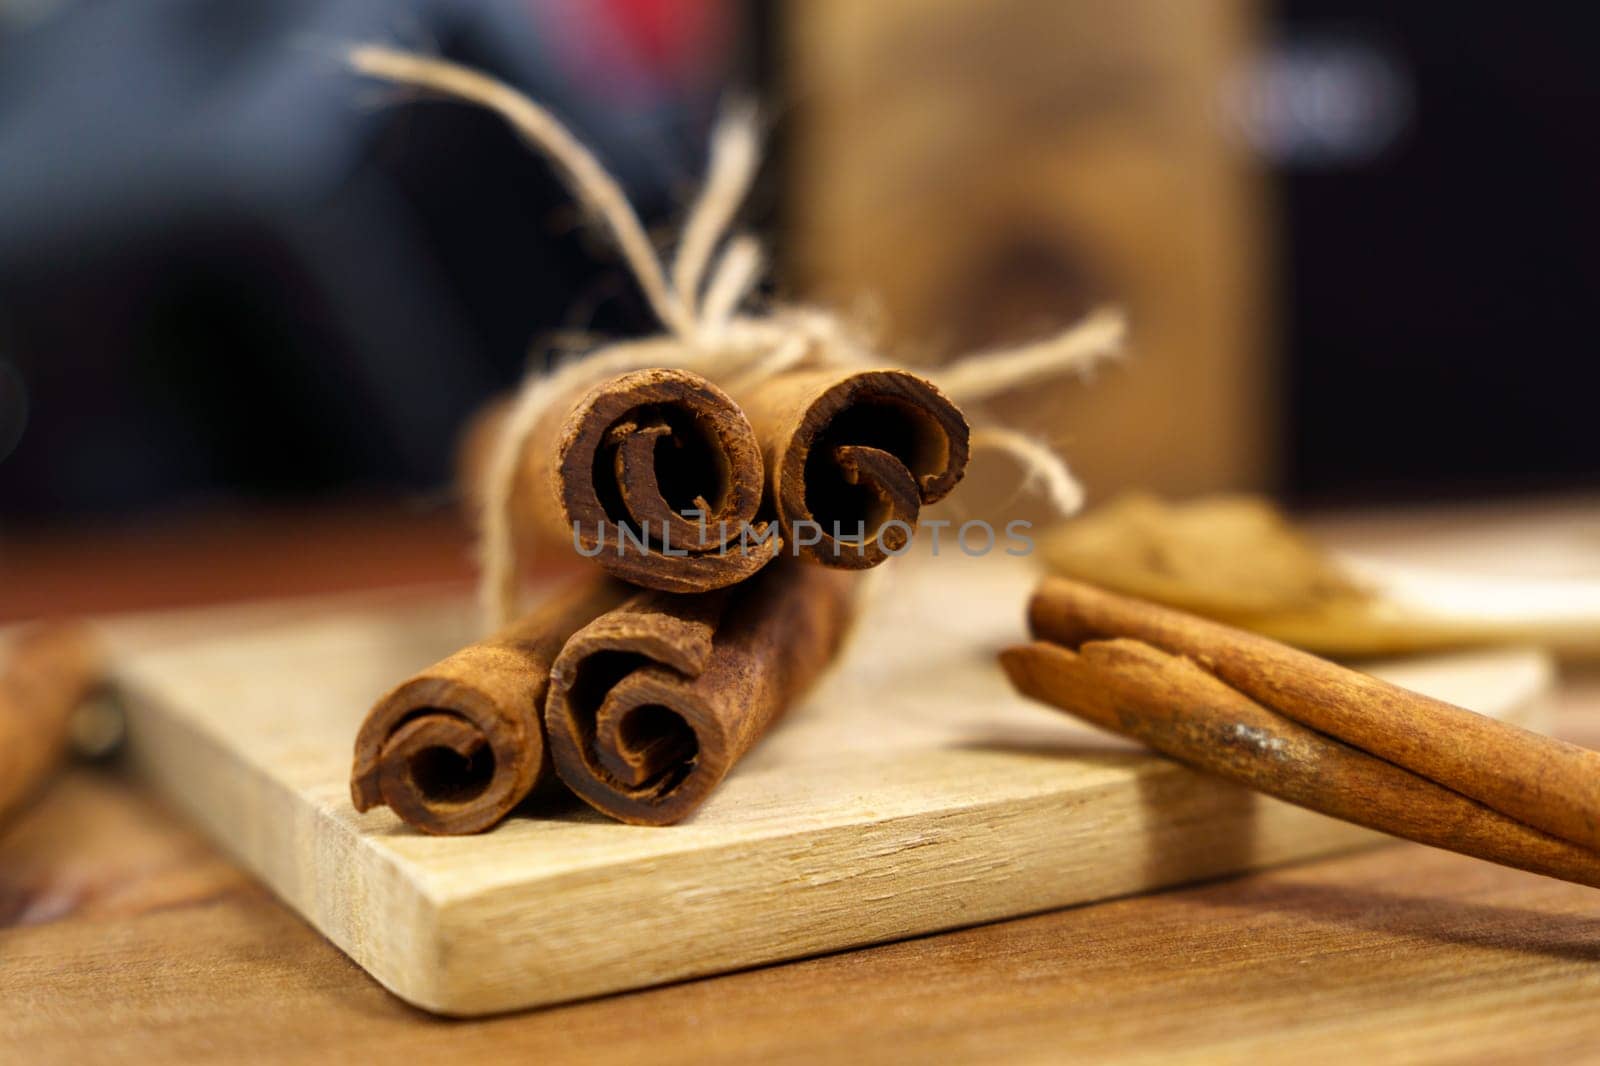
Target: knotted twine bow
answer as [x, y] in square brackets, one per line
[701, 304]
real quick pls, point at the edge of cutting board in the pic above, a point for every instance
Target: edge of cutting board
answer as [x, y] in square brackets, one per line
[749, 887]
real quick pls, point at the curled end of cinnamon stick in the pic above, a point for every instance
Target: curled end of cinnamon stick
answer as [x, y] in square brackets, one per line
[652, 704]
[866, 454]
[659, 475]
[455, 748]
[449, 757]
[628, 731]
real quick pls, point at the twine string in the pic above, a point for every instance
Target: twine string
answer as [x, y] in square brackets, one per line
[701, 304]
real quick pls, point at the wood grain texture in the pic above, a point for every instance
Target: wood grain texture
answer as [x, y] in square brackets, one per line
[203, 557]
[1399, 953]
[912, 793]
[125, 936]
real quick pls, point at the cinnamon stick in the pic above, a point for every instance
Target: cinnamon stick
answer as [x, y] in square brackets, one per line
[651, 704]
[50, 671]
[1173, 705]
[1542, 782]
[655, 475]
[851, 459]
[457, 747]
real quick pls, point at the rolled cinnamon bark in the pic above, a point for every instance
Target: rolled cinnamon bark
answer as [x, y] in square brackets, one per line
[459, 745]
[852, 459]
[1543, 782]
[1171, 704]
[655, 475]
[651, 704]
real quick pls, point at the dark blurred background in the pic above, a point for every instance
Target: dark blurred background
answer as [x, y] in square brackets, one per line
[1355, 238]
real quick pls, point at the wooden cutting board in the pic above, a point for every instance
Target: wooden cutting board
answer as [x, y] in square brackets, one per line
[913, 792]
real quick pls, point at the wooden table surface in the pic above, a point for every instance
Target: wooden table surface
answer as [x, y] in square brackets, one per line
[125, 936]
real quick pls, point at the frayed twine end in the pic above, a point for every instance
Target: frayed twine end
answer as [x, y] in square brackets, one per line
[699, 303]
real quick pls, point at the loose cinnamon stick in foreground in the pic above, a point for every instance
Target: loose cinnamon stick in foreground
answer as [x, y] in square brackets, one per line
[50, 671]
[1545, 783]
[651, 704]
[655, 475]
[455, 748]
[1174, 706]
[847, 453]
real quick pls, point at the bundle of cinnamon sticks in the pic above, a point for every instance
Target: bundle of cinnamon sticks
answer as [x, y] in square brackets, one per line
[719, 483]
[718, 535]
[1312, 732]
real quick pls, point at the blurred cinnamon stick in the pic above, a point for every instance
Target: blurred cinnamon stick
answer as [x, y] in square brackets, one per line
[1170, 704]
[1542, 782]
[51, 670]
[455, 748]
[652, 703]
